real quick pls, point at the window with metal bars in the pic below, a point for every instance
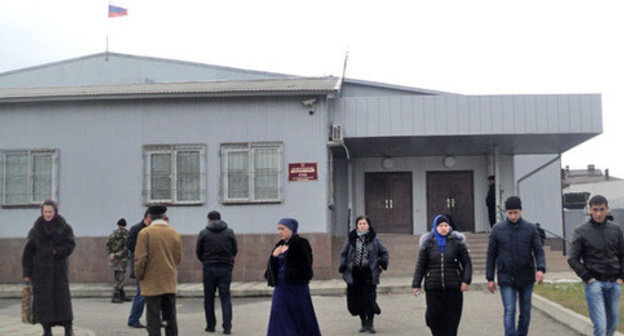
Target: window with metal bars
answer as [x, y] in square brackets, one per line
[250, 172]
[29, 176]
[174, 174]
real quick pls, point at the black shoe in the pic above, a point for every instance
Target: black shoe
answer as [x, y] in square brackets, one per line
[371, 329]
[363, 329]
[227, 331]
[116, 298]
[123, 296]
[136, 325]
[209, 329]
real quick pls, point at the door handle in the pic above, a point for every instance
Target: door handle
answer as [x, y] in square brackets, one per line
[386, 204]
[448, 203]
[453, 203]
[390, 204]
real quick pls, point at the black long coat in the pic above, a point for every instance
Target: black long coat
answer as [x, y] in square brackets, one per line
[45, 262]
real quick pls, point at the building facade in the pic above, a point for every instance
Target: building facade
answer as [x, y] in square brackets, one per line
[107, 134]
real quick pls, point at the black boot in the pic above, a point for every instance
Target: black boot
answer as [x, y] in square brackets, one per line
[371, 328]
[124, 297]
[116, 298]
[47, 330]
[68, 330]
[364, 327]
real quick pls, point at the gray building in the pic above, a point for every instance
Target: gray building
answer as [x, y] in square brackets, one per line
[107, 134]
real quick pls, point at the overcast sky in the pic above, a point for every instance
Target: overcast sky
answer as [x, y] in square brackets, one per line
[468, 47]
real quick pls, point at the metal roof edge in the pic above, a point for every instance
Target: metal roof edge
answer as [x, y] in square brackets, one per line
[151, 58]
[396, 87]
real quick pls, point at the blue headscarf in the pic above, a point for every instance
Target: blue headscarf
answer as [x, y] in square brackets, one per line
[290, 223]
[440, 239]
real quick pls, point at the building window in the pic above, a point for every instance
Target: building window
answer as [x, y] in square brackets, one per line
[251, 172]
[29, 177]
[174, 174]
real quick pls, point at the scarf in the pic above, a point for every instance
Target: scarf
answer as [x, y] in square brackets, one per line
[440, 239]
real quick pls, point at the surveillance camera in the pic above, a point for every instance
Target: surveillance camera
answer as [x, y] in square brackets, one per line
[309, 102]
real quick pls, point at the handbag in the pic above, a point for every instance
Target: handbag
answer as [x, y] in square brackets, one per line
[28, 312]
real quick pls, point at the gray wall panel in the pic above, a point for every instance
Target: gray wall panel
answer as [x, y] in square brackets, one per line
[453, 115]
[541, 192]
[101, 165]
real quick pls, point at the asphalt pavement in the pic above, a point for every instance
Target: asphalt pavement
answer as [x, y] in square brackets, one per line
[402, 313]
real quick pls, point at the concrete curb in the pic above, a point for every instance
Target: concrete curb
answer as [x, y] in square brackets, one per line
[576, 321]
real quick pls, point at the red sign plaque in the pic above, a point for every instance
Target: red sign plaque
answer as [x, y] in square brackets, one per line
[302, 171]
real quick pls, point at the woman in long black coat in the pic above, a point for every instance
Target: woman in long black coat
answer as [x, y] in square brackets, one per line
[362, 259]
[289, 270]
[445, 264]
[45, 265]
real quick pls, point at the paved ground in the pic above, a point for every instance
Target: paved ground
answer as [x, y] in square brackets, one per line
[402, 314]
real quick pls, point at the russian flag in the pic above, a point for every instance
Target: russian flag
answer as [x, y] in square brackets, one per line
[116, 11]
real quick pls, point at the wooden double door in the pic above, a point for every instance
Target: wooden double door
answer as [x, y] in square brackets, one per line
[388, 200]
[451, 193]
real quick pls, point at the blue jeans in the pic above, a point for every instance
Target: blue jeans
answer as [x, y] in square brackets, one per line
[509, 294]
[603, 303]
[138, 303]
[217, 277]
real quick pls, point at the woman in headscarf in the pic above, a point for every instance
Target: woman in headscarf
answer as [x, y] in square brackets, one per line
[362, 260]
[289, 270]
[45, 264]
[445, 264]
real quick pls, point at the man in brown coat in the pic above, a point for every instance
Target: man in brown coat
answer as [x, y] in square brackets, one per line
[156, 257]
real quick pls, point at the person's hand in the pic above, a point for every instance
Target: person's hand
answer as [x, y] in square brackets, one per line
[464, 286]
[539, 277]
[591, 280]
[491, 286]
[279, 250]
[111, 256]
[416, 291]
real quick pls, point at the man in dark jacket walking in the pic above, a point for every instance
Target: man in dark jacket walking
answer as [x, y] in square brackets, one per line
[597, 257]
[138, 303]
[216, 249]
[515, 250]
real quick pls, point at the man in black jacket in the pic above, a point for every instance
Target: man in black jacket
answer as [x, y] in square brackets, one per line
[514, 249]
[597, 257]
[216, 249]
[138, 303]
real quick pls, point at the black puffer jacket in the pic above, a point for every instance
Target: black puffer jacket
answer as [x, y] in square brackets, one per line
[298, 263]
[443, 271]
[598, 251]
[216, 244]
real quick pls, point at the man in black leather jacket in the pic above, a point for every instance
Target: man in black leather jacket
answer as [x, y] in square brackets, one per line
[597, 257]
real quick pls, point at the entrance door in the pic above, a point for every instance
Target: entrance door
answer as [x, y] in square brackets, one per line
[451, 193]
[388, 198]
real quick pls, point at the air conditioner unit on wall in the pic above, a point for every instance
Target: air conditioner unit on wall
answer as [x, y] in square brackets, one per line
[336, 133]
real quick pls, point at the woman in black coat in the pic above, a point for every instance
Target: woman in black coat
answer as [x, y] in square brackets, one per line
[289, 270]
[445, 264]
[45, 265]
[361, 261]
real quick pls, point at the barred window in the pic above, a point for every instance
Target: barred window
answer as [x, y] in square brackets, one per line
[174, 174]
[29, 177]
[250, 172]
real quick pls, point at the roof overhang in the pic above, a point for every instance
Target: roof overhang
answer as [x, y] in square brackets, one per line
[405, 146]
[239, 88]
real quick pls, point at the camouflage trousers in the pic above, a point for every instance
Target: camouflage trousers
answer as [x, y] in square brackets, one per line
[120, 277]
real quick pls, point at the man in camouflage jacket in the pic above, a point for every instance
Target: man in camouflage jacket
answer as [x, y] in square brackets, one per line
[118, 259]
